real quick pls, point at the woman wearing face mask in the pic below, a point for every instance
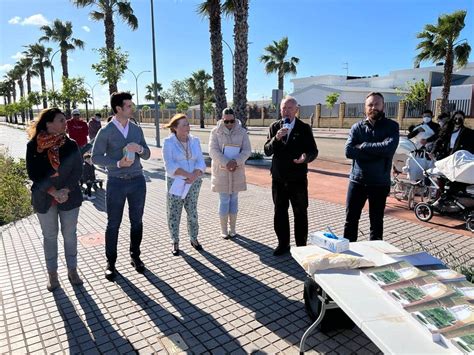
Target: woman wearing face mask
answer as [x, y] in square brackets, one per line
[427, 120]
[229, 148]
[454, 136]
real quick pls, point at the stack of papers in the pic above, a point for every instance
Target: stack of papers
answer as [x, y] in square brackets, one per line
[180, 187]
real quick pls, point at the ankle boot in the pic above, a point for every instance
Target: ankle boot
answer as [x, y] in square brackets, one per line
[232, 222]
[73, 277]
[224, 233]
[53, 282]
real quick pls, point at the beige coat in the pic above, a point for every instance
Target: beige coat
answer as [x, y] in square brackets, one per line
[223, 180]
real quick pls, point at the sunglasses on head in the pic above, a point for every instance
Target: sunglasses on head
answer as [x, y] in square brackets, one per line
[229, 121]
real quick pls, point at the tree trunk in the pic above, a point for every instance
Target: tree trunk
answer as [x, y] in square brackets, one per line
[67, 102]
[281, 79]
[14, 101]
[9, 100]
[216, 56]
[447, 75]
[110, 42]
[22, 94]
[28, 89]
[241, 29]
[43, 85]
[201, 113]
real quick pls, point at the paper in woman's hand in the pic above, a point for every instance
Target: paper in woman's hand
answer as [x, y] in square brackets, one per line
[179, 188]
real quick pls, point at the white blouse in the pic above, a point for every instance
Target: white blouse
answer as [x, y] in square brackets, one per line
[175, 155]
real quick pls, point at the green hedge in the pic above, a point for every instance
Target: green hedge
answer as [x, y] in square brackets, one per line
[15, 200]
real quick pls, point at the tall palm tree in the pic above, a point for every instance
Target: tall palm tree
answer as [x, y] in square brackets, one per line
[27, 64]
[6, 91]
[150, 91]
[439, 43]
[275, 61]
[40, 55]
[212, 10]
[198, 86]
[10, 78]
[18, 72]
[105, 12]
[240, 10]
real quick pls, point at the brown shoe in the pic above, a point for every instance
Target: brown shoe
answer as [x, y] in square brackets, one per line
[53, 281]
[73, 277]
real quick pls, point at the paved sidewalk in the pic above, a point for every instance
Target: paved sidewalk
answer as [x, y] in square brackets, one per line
[233, 297]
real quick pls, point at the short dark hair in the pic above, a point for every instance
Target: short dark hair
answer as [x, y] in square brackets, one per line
[117, 99]
[428, 111]
[374, 93]
[98, 114]
[227, 111]
[443, 116]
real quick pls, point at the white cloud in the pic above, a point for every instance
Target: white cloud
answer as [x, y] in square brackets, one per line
[18, 56]
[33, 20]
[15, 20]
[5, 67]
[85, 28]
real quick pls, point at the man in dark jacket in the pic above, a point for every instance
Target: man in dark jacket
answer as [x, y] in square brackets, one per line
[371, 146]
[292, 145]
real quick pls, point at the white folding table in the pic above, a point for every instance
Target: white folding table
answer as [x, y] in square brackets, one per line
[388, 325]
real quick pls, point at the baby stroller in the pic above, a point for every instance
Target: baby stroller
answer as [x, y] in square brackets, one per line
[456, 198]
[410, 160]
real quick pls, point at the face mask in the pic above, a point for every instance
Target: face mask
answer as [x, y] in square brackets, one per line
[426, 119]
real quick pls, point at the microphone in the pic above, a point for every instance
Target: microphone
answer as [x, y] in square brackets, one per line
[286, 123]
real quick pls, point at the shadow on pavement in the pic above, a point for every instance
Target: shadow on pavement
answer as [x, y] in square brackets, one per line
[191, 322]
[273, 310]
[282, 263]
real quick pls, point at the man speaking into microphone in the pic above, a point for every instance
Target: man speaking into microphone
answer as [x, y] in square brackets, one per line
[292, 145]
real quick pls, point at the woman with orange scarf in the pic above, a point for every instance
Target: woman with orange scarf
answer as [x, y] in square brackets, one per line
[54, 164]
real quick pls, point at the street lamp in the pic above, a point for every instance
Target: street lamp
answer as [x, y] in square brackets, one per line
[233, 63]
[52, 70]
[92, 91]
[136, 87]
[155, 84]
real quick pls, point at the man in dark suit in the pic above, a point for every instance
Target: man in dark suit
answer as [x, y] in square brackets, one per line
[292, 145]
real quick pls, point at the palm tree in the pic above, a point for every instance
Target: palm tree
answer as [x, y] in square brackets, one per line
[105, 12]
[27, 64]
[212, 10]
[198, 86]
[275, 60]
[439, 43]
[10, 78]
[18, 72]
[6, 91]
[240, 10]
[40, 55]
[150, 91]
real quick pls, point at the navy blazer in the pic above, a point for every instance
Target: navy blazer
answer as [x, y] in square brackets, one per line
[300, 141]
[69, 173]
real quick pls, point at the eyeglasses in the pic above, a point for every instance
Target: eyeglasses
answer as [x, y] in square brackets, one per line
[229, 121]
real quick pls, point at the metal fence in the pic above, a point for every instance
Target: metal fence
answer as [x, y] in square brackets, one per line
[328, 112]
[306, 111]
[354, 110]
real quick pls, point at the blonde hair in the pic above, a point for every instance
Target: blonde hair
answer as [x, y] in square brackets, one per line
[173, 123]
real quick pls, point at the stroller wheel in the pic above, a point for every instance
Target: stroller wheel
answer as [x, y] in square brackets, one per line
[423, 211]
[470, 224]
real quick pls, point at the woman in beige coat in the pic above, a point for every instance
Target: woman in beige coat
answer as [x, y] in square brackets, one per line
[229, 148]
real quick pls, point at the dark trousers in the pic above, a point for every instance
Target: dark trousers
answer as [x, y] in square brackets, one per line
[357, 195]
[118, 191]
[283, 193]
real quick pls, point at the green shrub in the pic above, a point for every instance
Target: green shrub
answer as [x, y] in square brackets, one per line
[256, 156]
[14, 193]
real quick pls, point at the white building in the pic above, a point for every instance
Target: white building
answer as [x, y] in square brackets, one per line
[314, 89]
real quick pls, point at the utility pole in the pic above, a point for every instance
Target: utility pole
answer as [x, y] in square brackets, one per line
[136, 88]
[155, 93]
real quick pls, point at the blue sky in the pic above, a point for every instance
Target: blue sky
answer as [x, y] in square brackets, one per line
[373, 36]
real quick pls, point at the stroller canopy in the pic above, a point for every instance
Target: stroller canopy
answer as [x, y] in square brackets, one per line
[459, 167]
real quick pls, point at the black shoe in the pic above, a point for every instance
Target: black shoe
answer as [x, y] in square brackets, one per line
[280, 250]
[195, 244]
[110, 272]
[138, 265]
[175, 249]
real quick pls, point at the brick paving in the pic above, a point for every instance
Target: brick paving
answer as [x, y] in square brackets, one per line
[233, 297]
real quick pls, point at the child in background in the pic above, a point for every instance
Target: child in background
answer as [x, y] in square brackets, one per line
[88, 176]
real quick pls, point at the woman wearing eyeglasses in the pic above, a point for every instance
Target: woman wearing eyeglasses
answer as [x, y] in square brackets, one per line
[229, 148]
[184, 164]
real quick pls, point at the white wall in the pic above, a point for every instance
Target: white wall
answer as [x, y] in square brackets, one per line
[318, 95]
[457, 92]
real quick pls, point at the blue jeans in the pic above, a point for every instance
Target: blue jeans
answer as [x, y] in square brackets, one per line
[118, 190]
[228, 203]
[50, 228]
[357, 195]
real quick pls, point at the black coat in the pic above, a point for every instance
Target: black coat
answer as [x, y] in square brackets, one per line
[300, 141]
[40, 170]
[465, 141]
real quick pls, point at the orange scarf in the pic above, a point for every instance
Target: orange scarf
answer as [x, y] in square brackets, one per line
[51, 143]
